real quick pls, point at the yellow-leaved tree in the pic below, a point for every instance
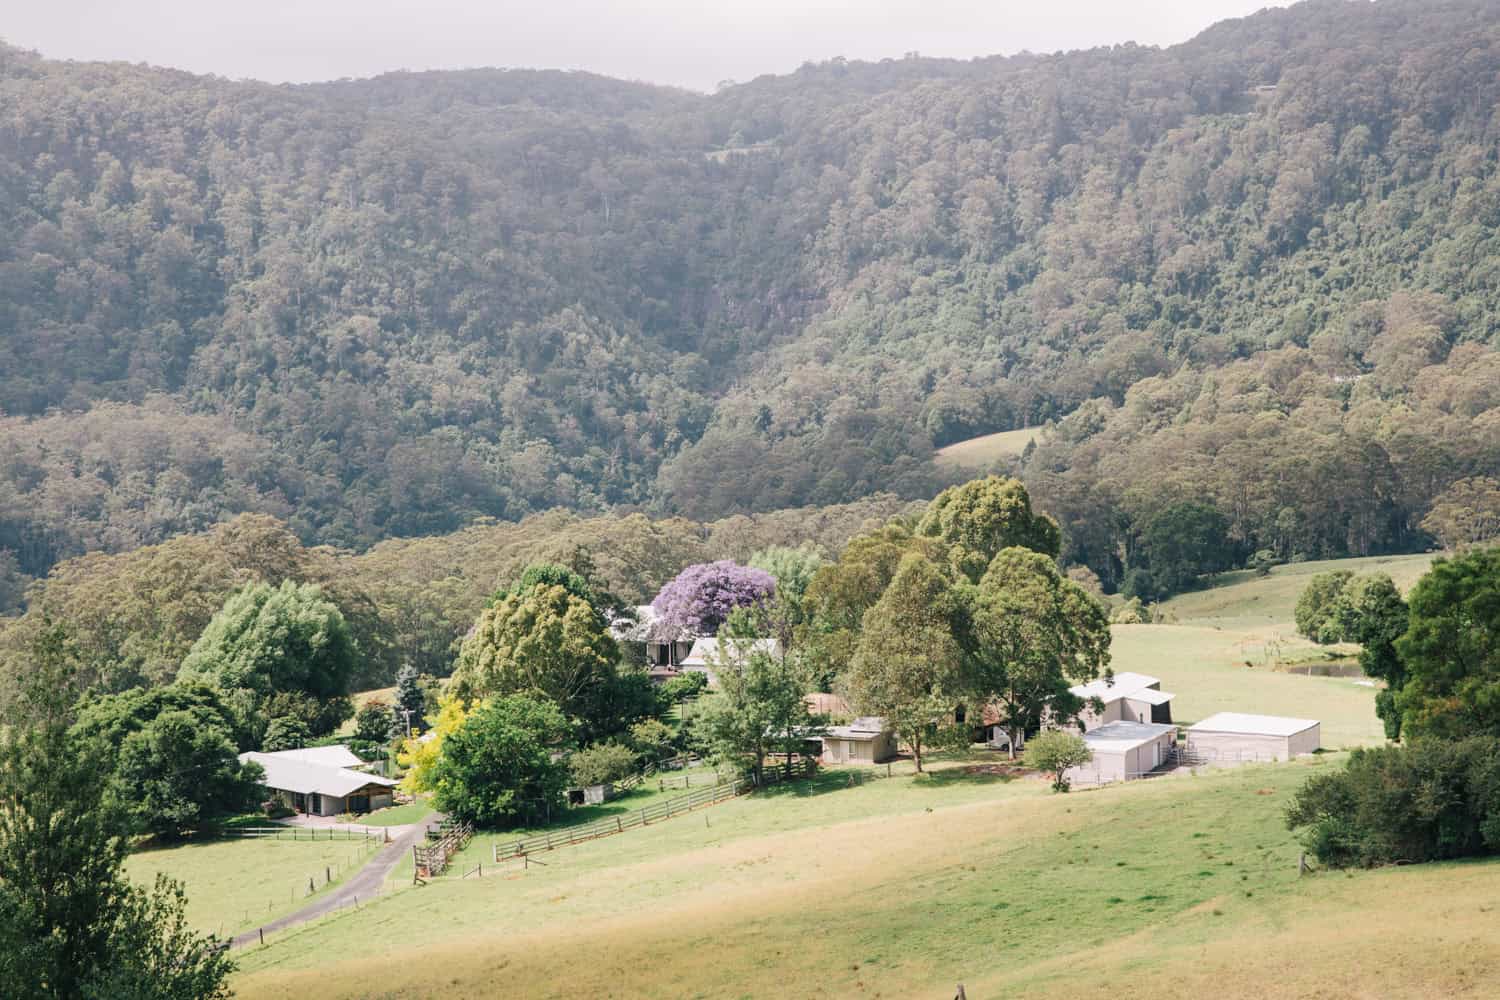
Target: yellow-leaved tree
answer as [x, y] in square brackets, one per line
[419, 754]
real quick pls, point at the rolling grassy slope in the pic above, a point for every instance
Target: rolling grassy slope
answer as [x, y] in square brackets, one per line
[1243, 600]
[987, 449]
[234, 884]
[1235, 647]
[906, 886]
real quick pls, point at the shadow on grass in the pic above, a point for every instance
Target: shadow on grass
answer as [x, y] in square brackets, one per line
[948, 777]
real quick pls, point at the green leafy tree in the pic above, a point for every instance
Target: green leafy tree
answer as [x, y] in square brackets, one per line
[652, 739]
[1451, 650]
[906, 667]
[498, 767]
[72, 926]
[840, 594]
[173, 752]
[545, 641]
[793, 569]
[600, 763]
[1035, 634]
[980, 518]
[1371, 612]
[1317, 606]
[1055, 751]
[1429, 800]
[178, 775]
[757, 710]
[1183, 542]
[285, 733]
[109, 718]
[268, 640]
[372, 723]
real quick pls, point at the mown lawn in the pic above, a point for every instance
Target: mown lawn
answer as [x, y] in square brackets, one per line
[236, 883]
[400, 815]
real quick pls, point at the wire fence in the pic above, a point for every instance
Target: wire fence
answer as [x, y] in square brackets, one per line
[314, 882]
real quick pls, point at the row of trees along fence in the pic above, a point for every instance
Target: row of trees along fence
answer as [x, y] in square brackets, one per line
[646, 815]
[433, 859]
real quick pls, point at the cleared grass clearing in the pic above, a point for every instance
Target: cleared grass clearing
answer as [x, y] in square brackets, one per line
[1229, 647]
[1242, 600]
[237, 883]
[906, 886]
[987, 449]
[1206, 668]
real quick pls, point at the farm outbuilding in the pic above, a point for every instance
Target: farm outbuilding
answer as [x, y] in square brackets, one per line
[304, 782]
[1124, 751]
[1127, 697]
[866, 740]
[1237, 736]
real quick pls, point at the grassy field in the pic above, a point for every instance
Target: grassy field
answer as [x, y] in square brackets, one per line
[906, 886]
[1235, 647]
[233, 884]
[400, 815]
[1242, 600]
[984, 451]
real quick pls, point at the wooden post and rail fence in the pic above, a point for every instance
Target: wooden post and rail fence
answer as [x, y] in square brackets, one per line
[445, 841]
[505, 850]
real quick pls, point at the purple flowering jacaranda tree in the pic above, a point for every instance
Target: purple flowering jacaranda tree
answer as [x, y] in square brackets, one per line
[699, 599]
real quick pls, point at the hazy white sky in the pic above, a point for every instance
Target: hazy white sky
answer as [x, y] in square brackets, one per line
[691, 43]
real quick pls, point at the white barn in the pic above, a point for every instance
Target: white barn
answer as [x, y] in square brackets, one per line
[1237, 736]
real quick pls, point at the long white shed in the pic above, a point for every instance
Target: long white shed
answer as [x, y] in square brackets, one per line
[1238, 736]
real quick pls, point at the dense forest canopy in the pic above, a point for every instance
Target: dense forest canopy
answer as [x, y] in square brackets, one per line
[1260, 265]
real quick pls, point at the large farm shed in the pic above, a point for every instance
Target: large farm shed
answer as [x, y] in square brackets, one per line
[1124, 751]
[319, 781]
[1237, 736]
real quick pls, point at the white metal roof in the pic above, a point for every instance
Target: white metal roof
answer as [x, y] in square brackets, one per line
[1117, 737]
[866, 727]
[1151, 696]
[337, 755]
[289, 774]
[1252, 725]
[1122, 685]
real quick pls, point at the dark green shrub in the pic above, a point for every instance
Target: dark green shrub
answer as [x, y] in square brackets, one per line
[1429, 801]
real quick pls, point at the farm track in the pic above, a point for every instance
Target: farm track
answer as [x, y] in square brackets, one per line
[366, 882]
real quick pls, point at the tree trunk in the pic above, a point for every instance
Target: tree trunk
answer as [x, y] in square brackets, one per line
[916, 751]
[1014, 734]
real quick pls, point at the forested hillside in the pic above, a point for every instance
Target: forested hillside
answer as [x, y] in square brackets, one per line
[1256, 270]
